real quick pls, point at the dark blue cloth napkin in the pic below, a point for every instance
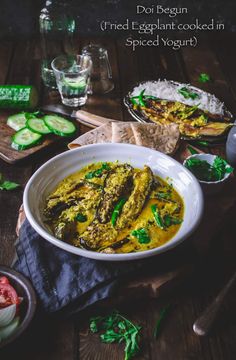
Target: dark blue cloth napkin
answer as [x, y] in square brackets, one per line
[66, 281]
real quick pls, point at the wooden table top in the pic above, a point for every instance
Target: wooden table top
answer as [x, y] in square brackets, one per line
[70, 339]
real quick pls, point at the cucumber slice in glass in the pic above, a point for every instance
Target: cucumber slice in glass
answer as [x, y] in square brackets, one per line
[75, 83]
[59, 126]
[24, 139]
[38, 126]
[17, 121]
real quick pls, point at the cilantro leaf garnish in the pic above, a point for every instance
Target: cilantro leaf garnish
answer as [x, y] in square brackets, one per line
[203, 78]
[188, 94]
[142, 235]
[81, 218]
[7, 185]
[99, 172]
[116, 328]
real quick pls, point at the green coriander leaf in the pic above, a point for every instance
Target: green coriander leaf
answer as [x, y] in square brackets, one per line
[171, 220]
[93, 326]
[81, 218]
[8, 185]
[94, 323]
[164, 195]
[188, 94]
[142, 235]
[203, 78]
[116, 329]
[99, 172]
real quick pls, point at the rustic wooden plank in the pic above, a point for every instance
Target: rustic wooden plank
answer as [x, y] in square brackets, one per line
[6, 49]
[203, 59]
[10, 201]
[223, 46]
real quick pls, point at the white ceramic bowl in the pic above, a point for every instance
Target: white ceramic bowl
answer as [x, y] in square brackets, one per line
[45, 179]
[209, 187]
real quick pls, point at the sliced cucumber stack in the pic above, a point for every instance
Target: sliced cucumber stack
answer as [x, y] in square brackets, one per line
[30, 128]
[59, 126]
[25, 138]
[17, 121]
[38, 126]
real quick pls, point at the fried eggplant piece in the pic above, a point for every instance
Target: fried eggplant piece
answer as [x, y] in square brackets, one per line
[65, 226]
[211, 129]
[55, 207]
[118, 182]
[97, 235]
[214, 129]
[181, 111]
[68, 197]
[65, 230]
[143, 182]
[192, 121]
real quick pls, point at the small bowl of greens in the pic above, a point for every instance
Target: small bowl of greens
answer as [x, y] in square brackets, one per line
[212, 171]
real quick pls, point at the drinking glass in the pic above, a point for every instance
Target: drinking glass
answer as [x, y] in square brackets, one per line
[101, 75]
[72, 74]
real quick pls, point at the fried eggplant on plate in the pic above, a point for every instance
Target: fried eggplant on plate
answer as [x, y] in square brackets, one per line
[199, 115]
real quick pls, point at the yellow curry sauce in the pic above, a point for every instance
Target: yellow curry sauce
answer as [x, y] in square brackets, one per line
[81, 209]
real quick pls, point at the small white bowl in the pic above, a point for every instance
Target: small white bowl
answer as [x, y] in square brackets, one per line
[52, 172]
[209, 187]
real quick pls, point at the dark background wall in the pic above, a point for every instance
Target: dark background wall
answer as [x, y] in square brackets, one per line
[19, 18]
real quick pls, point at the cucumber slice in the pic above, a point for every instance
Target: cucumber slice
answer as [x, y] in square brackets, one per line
[24, 139]
[59, 126]
[38, 126]
[17, 121]
[78, 83]
[8, 330]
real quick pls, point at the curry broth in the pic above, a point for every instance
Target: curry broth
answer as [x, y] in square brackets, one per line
[164, 196]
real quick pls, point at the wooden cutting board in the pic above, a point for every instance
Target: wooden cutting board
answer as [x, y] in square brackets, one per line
[12, 156]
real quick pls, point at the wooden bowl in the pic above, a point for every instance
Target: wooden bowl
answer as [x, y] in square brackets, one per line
[27, 308]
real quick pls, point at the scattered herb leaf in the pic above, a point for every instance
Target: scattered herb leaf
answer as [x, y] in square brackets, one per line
[203, 78]
[188, 94]
[142, 235]
[116, 329]
[99, 172]
[171, 220]
[7, 185]
[81, 218]
[134, 101]
[164, 195]
[159, 322]
[140, 98]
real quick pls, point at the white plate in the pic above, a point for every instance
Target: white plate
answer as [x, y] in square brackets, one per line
[45, 179]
